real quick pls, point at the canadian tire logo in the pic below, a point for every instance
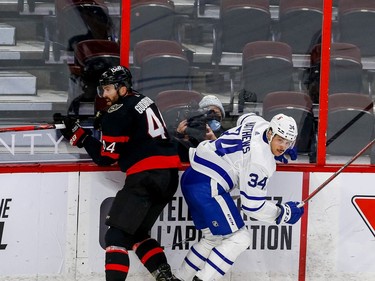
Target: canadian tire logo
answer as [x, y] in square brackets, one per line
[365, 205]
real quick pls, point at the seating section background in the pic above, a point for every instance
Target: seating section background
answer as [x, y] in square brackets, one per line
[52, 53]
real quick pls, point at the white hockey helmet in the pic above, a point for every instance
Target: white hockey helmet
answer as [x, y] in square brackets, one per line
[284, 126]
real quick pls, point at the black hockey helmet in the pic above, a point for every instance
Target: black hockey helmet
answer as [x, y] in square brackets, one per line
[119, 75]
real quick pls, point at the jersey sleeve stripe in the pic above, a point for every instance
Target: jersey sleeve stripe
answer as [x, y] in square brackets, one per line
[260, 198]
[155, 162]
[214, 167]
[114, 156]
[115, 139]
[252, 209]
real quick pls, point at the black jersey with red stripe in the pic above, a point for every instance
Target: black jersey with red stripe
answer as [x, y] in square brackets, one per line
[135, 136]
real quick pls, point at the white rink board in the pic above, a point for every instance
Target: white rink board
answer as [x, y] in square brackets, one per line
[265, 257]
[340, 244]
[38, 214]
[51, 225]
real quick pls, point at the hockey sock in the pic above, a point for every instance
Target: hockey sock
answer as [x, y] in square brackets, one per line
[150, 253]
[116, 263]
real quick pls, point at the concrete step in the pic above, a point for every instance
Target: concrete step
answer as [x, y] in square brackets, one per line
[45, 100]
[9, 6]
[17, 83]
[7, 34]
[23, 50]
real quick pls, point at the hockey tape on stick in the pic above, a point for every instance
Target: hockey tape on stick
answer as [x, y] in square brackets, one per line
[32, 128]
[319, 188]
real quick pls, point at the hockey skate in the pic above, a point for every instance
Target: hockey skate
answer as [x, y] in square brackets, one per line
[164, 273]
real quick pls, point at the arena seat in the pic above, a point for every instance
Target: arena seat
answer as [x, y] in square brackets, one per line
[152, 19]
[78, 20]
[267, 66]
[345, 69]
[160, 65]
[356, 19]
[91, 59]
[299, 106]
[351, 123]
[240, 22]
[174, 105]
[299, 21]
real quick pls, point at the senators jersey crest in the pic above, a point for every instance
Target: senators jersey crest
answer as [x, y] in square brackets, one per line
[115, 107]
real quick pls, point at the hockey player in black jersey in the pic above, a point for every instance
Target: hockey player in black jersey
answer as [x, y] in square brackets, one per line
[134, 136]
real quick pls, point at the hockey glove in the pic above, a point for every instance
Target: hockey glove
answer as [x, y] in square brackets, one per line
[73, 131]
[290, 213]
[292, 152]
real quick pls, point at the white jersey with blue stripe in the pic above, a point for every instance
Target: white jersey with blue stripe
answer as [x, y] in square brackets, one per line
[241, 157]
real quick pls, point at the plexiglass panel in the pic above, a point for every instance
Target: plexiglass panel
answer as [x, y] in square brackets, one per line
[350, 112]
[256, 56]
[51, 55]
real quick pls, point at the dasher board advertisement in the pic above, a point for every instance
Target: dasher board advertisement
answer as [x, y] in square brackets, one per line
[38, 218]
[273, 249]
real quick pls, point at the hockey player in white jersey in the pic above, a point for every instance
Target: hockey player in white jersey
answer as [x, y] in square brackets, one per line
[243, 157]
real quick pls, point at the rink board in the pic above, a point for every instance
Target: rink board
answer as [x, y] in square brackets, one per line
[52, 228]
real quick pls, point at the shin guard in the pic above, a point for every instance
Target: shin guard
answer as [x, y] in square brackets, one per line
[116, 263]
[150, 253]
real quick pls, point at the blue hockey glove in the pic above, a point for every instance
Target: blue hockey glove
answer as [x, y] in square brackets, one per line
[292, 152]
[290, 213]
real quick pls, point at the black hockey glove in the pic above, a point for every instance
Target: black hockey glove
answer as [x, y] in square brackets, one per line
[290, 212]
[73, 130]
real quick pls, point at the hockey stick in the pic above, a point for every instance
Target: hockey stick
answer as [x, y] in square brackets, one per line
[180, 242]
[32, 128]
[319, 188]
